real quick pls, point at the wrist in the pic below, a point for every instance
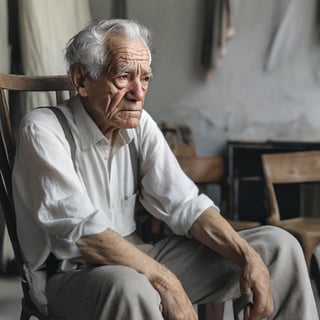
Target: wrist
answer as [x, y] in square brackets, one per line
[163, 279]
[247, 255]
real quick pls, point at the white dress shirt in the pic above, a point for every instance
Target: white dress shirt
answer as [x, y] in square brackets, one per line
[58, 201]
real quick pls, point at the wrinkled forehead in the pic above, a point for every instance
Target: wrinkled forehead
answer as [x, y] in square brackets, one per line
[126, 50]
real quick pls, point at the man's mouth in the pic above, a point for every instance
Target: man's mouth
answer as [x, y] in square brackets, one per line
[126, 114]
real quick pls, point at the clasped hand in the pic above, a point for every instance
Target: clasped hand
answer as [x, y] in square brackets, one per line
[255, 280]
[175, 302]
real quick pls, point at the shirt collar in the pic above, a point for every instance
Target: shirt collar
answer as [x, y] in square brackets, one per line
[89, 132]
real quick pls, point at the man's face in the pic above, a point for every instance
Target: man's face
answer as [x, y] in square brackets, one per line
[115, 100]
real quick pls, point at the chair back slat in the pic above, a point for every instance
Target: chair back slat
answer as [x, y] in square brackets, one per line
[288, 168]
[35, 83]
[292, 167]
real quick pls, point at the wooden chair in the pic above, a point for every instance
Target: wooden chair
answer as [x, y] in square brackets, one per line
[288, 168]
[57, 84]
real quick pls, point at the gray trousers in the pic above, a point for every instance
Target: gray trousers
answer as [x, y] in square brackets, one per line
[121, 293]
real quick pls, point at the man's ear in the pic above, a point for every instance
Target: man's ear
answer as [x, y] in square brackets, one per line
[78, 76]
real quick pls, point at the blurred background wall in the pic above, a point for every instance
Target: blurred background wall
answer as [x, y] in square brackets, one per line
[265, 87]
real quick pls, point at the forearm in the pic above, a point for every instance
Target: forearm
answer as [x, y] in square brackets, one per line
[110, 248]
[212, 230]
[215, 232]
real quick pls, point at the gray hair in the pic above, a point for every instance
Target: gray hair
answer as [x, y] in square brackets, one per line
[89, 46]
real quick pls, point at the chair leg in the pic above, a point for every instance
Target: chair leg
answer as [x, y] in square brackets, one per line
[315, 271]
[211, 311]
[24, 315]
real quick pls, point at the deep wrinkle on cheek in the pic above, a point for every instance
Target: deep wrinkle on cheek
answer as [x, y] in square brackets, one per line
[113, 106]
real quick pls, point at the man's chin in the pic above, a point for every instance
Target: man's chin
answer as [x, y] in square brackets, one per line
[128, 119]
[130, 123]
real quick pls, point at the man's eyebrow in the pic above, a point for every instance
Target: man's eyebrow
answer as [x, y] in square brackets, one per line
[148, 71]
[123, 68]
[130, 68]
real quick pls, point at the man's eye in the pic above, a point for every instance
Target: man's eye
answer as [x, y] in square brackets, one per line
[146, 78]
[123, 77]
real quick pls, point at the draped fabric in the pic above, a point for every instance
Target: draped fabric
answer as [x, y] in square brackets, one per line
[45, 28]
[4, 48]
[218, 28]
[295, 19]
[119, 9]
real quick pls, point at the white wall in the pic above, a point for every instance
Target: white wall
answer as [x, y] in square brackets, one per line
[243, 99]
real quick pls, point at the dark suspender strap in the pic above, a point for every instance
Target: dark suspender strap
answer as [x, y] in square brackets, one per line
[66, 129]
[68, 134]
[52, 263]
[135, 164]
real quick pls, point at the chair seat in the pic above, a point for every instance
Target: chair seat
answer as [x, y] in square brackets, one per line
[304, 225]
[239, 225]
[307, 231]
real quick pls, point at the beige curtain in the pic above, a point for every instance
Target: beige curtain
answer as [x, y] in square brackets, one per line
[218, 29]
[4, 47]
[45, 27]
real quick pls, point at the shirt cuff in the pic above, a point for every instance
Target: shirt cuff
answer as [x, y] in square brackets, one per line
[183, 220]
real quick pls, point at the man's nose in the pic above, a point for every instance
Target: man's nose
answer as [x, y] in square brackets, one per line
[136, 90]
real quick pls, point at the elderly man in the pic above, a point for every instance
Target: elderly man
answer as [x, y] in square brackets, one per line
[78, 206]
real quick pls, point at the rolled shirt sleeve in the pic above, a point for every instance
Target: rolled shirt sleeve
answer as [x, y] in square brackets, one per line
[167, 193]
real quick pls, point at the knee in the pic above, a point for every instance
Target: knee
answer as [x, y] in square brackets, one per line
[277, 233]
[286, 246]
[281, 239]
[132, 281]
[123, 293]
[132, 285]
[275, 243]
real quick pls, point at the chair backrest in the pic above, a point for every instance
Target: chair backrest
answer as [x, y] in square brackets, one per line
[200, 169]
[286, 168]
[8, 82]
[203, 169]
[57, 84]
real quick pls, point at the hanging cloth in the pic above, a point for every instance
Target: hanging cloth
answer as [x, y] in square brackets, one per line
[297, 19]
[211, 34]
[218, 28]
[45, 28]
[4, 48]
[119, 9]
